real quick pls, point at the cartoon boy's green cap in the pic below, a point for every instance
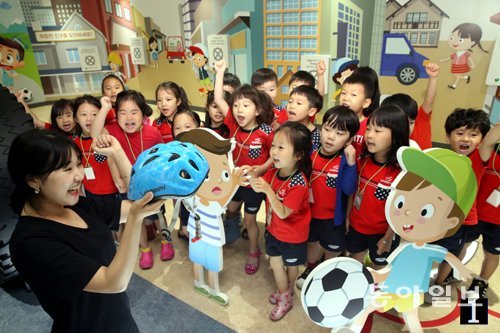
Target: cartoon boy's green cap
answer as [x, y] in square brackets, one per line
[450, 172]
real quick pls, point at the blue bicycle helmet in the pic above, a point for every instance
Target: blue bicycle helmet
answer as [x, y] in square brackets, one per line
[172, 170]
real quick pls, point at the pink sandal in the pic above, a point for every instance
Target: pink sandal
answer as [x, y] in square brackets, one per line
[252, 268]
[273, 298]
[285, 304]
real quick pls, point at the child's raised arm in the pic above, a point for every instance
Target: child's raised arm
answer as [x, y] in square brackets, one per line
[320, 70]
[98, 124]
[432, 70]
[220, 67]
[37, 122]
[489, 142]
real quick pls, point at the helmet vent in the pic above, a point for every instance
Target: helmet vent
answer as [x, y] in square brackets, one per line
[184, 174]
[151, 159]
[194, 165]
[153, 150]
[174, 157]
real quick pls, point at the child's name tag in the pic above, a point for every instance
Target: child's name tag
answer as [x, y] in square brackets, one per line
[494, 198]
[89, 173]
[357, 200]
[311, 195]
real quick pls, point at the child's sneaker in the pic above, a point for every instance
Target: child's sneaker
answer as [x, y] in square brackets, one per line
[450, 279]
[302, 278]
[146, 259]
[219, 298]
[167, 250]
[477, 289]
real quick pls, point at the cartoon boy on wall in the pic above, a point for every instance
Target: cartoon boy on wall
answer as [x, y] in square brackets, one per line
[11, 57]
[431, 198]
[197, 54]
[205, 225]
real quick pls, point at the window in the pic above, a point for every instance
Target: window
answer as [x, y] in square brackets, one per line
[423, 38]
[290, 55]
[273, 4]
[40, 57]
[80, 82]
[73, 55]
[273, 43]
[289, 43]
[308, 30]
[273, 18]
[304, 53]
[309, 3]
[432, 38]
[291, 30]
[416, 17]
[97, 79]
[273, 55]
[271, 67]
[396, 45]
[284, 89]
[289, 68]
[280, 71]
[126, 14]
[413, 38]
[273, 31]
[291, 17]
[309, 16]
[290, 4]
[118, 10]
[308, 43]
[107, 4]
[77, 27]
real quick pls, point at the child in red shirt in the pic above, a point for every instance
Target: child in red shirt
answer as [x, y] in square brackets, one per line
[214, 118]
[170, 98]
[111, 86]
[288, 212]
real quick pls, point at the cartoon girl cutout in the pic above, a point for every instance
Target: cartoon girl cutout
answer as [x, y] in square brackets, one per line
[115, 62]
[462, 39]
[11, 57]
[153, 45]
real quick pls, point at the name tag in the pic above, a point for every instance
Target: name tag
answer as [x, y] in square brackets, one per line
[89, 173]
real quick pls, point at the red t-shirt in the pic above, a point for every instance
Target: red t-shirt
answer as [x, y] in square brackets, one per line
[103, 182]
[164, 126]
[325, 170]
[375, 180]
[316, 138]
[110, 117]
[478, 167]
[422, 133]
[359, 138]
[280, 113]
[135, 143]
[490, 183]
[252, 146]
[294, 193]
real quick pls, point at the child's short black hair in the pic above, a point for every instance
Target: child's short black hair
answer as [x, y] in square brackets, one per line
[263, 75]
[137, 98]
[303, 76]
[231, 80]
[314, 98]
[343, 118]
[405, 102]
[370, 72]
[470, 118]
[363, 80]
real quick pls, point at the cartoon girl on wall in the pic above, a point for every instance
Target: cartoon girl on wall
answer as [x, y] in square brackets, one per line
[462, 39]
[153, 45]
[115, 62]
[11, 57]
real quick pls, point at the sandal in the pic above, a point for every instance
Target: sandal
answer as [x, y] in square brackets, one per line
[252, 268]
[285, 304]
[273, 298]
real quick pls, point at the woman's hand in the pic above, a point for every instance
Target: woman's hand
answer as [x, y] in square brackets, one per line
[144, 207]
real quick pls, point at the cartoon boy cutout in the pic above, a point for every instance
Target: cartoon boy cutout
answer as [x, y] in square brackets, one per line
[11, 57]
[197, 54]
[431, 198]
[205, 225]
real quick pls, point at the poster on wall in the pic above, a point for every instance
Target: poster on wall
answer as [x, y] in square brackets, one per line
[18, 69]
[138, 50]
[89, 58]
[218, 48]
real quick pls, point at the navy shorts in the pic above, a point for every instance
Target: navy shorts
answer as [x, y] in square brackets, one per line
[490, 233]
[331, 237]
[293, 254]
[358, 242]
[454, 243]
[252, 199]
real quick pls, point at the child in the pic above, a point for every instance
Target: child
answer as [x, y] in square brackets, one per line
[303, 105]
[265, 80]
[333, 179]
[111, 86]
[420, 117]
[214, 118]
[248, 124]
[370, 72]
[231, 82]
[356, 94]
[465, 130]
[488, 212]
[170, 98]
[134, 137]
[387, 130]
[98, 180]
[205, 221]
[288, 212]
[61, 117]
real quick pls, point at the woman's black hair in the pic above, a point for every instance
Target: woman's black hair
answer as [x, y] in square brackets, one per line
[262, 102]
[82, 100]
[36, 153]
[392, 117]
[224, 130]
[370, 72]
[137, 98]
[57, 110]
[192, 114]
[177, 91]
[300, 138]
[343, 118]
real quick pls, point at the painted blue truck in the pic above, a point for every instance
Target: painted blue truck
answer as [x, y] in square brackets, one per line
[401, 60]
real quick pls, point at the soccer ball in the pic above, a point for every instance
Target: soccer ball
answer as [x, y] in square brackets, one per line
[27, 94]
[336, 291]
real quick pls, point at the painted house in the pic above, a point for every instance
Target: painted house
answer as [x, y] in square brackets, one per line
[420, 20]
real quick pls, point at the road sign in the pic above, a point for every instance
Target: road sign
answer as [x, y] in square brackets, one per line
[89, 58]
[218, 48]
[139, 51]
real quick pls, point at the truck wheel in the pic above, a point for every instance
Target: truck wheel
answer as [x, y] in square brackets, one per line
[407, 74]
[13, 121]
